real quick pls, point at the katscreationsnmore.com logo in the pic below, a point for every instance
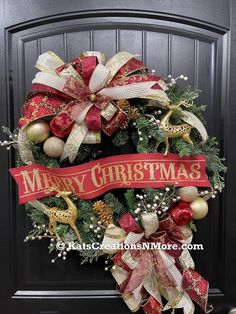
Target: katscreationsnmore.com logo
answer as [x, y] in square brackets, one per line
[74, 246]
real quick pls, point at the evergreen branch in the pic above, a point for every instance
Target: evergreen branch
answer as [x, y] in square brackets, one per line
[121, 138]
[130, 198]
[192, 226]
[114, 203]
[90, 256]
[176, 94]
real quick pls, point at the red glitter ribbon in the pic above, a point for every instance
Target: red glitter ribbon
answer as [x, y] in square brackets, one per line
[151, 306]
[197, 288]
[46, 101]
[192, 282]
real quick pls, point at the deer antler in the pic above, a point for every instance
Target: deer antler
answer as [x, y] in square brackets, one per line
[53, 189]
[59, 192]
[185, 103]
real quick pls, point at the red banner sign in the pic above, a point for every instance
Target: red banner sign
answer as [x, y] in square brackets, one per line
[99, 176]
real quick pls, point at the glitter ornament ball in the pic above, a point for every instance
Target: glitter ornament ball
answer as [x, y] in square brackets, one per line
[188, 193]
[38, 131]
[199, 208]
[53, 147]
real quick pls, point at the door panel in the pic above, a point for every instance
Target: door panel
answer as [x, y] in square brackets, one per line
[196, 48]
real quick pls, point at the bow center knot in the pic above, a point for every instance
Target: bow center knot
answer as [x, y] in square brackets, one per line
[92, 97]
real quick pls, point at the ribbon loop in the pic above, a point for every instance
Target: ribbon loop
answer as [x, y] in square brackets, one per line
[145, 275]
[84, 84]
[129, 91]
[99, 78]
[117, 62]
[48, 62]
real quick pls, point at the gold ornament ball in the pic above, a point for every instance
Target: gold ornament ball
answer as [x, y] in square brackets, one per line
[53, 147]
[38, 131]
[188, 193]
[92, 97]
[199, 208]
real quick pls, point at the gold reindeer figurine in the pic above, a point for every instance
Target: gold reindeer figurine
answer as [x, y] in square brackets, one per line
[173, 131]
[66, 216]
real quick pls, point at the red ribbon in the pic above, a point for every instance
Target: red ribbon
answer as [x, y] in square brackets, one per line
[151, 306]
[76, 64]
[144, 259]
[128, 224]
[193, 283]
[197, 288]
[88, 66]
[45, 101]
[175, 233]
[163, 238]
[82, 93]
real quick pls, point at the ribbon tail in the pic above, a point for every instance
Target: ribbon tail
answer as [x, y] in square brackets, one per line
[38, 205]
[132, 302]
[177, 300]
[186, 259]
[25, 152]
[191, 119]
[119, 274]
[173, 270]
[138, 273]
[161, 264]
[151, 286]
[74, 141]
[151, 306]
[187, 304]
[159, 99]
[197, 288]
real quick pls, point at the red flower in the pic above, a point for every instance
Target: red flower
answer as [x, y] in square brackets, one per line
[181, 213]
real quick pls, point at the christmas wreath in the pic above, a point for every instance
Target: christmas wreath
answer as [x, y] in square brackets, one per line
[114, 161]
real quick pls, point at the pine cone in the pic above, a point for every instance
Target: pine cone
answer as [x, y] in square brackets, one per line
[104, 212]
[122, 104]
[131, 111]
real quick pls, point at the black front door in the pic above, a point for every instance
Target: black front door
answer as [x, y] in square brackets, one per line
[196, 38]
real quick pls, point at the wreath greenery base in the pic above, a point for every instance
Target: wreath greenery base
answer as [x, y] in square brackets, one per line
[141, 133]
